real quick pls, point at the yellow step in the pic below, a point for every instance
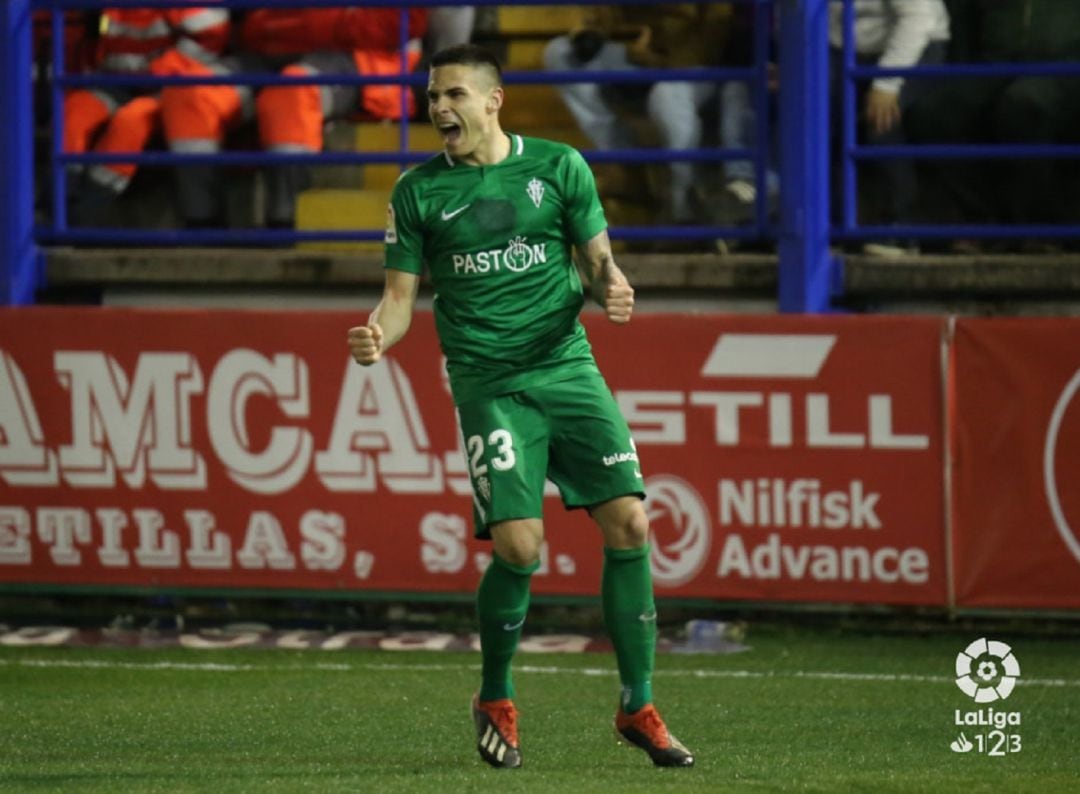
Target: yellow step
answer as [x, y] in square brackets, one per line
[334, 209]
[386, 137]
[378, 137]
[531, 106]
[525, 54]
[541, 21]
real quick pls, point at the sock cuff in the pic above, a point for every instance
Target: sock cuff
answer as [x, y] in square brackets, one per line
[528, 570]
[620, 555]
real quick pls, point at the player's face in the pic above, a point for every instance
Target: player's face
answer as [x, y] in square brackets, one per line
[463, 103]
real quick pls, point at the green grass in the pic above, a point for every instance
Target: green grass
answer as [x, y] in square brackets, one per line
[112, 720]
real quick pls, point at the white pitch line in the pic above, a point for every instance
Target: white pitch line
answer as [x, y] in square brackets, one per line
[218, 667]
[207, 667]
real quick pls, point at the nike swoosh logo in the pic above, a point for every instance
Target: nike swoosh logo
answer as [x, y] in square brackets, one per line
[515, 627]
[646, 617]
[637, 473]
[448, 215]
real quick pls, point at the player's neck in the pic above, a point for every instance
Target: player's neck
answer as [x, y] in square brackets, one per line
[494, 148]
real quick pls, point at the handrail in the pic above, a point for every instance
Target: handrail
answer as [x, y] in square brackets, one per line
[960, 231]
[688, 74]
[1025, 69]
[394, 158]
[966, 151]
[93, 5]
[263, 237]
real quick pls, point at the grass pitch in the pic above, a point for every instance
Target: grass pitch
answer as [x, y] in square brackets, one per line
[802, 710]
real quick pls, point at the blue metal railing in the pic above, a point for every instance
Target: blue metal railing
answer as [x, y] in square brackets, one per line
[852, 152]
[808, 274]
[24, 260]
[60, 232]
[20, 264]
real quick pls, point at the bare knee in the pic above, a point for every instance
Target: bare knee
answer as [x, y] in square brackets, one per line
[518, 542]
[623, 522]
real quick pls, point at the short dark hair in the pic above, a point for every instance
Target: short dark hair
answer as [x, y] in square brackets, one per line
[468, 55]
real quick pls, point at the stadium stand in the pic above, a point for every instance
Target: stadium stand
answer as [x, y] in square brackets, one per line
[341, 214]
[351, 197]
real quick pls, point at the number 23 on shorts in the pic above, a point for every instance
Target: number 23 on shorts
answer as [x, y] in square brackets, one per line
[500, 443]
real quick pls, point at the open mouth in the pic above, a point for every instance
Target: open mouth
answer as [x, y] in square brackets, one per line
[451, 133]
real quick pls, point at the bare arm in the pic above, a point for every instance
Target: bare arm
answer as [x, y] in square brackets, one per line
[606, 282]
[390, 320]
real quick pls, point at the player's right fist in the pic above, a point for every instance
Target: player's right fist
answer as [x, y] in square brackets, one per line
[365, 344]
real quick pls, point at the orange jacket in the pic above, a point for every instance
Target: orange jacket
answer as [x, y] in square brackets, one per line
[384, 101]
[161, 40]
[294, 31]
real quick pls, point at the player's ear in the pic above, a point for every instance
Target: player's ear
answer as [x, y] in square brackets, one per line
[495, 99]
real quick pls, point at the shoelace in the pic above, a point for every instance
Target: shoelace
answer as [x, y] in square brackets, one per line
[649, 723]
[505, 719]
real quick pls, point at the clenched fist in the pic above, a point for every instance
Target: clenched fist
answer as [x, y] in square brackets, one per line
[619, 301]
[365, 344]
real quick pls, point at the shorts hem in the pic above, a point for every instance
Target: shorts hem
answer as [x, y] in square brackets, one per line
[590, 504]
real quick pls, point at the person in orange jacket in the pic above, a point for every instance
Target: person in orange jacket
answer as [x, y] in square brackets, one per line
[325, 41]
[297, 41]
[159, 41]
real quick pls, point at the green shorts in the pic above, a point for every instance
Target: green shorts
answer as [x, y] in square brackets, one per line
[569, 431]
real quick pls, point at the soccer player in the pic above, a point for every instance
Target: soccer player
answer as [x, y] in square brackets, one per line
[495, 219]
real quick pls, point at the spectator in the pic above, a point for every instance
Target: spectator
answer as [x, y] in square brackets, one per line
[109, 119]
[290, 118]
[1006, 109]
[324, 41]
[738, 125]
[898, 34]
[449, 26]
[631, 37]
[197, 119]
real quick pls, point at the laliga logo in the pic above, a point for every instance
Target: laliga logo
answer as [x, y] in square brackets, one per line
[982, 664]
[1050, 474]
[675, 502]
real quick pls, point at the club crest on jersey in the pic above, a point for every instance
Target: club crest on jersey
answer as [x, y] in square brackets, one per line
[535, 189]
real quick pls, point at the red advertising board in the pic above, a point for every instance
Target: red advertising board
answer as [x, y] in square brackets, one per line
[787, 458]
[1016, 539]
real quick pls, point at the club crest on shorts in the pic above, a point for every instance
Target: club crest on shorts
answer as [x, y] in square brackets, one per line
[535, 189]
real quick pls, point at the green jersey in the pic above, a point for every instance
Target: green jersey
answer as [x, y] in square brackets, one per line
[497, 240]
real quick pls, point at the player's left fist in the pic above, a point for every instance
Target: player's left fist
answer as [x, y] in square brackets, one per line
[619, 302]
[365, 344]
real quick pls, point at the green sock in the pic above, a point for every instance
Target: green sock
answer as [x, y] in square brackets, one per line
[502, 601]
[630, 617]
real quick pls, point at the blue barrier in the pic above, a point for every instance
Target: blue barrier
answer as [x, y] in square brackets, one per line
[695, 74]
[20, 272]
[808, 273]
[342, 158]
[59, 232]
[852, 152]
